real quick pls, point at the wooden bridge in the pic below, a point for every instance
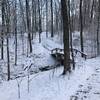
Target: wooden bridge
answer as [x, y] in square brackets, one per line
[58, 54]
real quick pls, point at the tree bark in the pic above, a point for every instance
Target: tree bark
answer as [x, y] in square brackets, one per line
[40, 28]
[52, 34]
[65, 36]
[98, 26]
[81, 28]
[46, 18]
[28, 25]
[3, 26]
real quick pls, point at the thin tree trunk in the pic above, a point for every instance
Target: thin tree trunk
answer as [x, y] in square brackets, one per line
[33, 24]
[52, 34]
[81, 28]
[40, 28]
[92, 11]
[15, 30]
[7, 17]
[98, 26]
[3, 26]
[28, 25]
[46, 18]
[71, 40]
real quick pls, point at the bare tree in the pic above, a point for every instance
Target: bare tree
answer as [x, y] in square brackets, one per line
[71, 39]
[46, 18]
[15, 29]
[81, 28]
[7, 17]
[33, 18]
[3, 27]
[40, 27]
[28, 25]
[98, 28]
[52, 34]
[64, 11]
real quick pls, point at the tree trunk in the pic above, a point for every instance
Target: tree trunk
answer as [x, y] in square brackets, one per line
[40, 28]
[46, 18]
[7, 17]
[15, 30]
[52, 34]
[98, 26]
[65, 36]
[33, 24]
[28, 25]
[81, 28]
[3, 26]
[71, 40]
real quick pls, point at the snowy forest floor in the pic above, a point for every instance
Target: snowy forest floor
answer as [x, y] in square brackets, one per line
[81, 84]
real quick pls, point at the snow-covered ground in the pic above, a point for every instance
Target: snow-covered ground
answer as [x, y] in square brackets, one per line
[91, 89]
[81, 84]
[50, 85]
[40, 57]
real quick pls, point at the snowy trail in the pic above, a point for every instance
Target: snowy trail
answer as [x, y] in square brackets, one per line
[91, 89]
